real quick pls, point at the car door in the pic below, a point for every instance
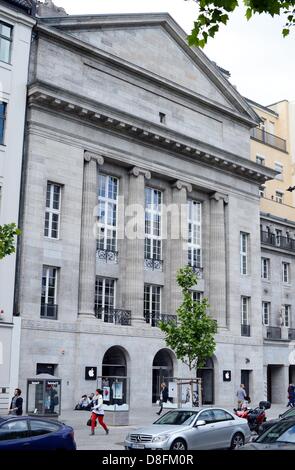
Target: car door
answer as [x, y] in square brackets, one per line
[45, 435]
[203, 436]
[14, 435]
[224, 428]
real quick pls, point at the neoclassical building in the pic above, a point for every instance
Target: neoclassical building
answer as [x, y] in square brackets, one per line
[125, 120]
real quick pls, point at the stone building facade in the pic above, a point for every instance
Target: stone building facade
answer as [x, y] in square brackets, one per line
[123, 113]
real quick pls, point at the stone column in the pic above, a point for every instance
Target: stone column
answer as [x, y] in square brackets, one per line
[88, 241]
[178, 244]
[135, 234]
[217, 292]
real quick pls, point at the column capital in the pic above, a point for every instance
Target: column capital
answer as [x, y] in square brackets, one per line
[182, 185]
[219, 196]
[136, 171]
[93, 156]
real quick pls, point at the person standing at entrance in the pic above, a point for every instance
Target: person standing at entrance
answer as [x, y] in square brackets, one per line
[98, 412]
[16, 405]
[163, 397]
[241, 395]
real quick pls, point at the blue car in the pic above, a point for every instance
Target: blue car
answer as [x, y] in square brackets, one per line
[32, 433]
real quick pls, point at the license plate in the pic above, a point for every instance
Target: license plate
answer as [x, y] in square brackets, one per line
[137, 446]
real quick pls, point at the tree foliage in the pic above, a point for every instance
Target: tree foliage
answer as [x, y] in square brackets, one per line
[192, 337]
[213, 13]
[7, 239]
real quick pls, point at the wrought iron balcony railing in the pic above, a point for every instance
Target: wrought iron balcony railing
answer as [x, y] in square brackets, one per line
[198, 270]
[154, 318]
[118, 316]
[245, 330]
[49, 311]
[278, 241]
[153, 264]
[273, 332]
[107, 256]
[268, 138]
[291, 334]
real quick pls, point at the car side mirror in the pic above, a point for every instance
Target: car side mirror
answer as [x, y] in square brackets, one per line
[280, 416]
[200, 422]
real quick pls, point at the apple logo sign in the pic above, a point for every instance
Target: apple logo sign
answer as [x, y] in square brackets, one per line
[90, 373]
[226, 376]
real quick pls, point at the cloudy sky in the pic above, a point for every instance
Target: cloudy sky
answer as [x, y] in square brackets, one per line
[260, 60]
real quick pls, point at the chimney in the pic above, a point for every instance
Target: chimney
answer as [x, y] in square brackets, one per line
[48, 9]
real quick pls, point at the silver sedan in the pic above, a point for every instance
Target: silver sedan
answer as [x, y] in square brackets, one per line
[194, 428]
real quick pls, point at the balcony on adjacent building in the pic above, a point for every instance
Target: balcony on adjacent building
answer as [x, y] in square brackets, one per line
[117, 316]
[154, 318]
[291, 334]
[107, 256]
[277, 241]
[274, 333]
[245, 330]
[153, 264]
[198, 270]
[49, 311]
[269, 139]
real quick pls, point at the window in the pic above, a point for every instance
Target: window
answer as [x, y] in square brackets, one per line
[279, 168]
[17, 429]
[194, 233]
[152, 302]
[108, 187]
[245, 310]
[52, 211]
[279, 197]
[39, 428]
[207, 416]
[286, 310]
[244, 242]
[5, 42]
[286, 272]
[104, 294]
[260, 160]
[153, 221]
[45, 369]
[265, 268]
[265, 313]
[197, 296]
[262, 191]
[3, 107]
[49, 293]
[162, 117]
[279, 234]
[222, 415]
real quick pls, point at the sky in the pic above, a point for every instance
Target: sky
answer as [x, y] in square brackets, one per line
[260, 60]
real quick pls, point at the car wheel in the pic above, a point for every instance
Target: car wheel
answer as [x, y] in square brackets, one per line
[178, 444]
[237, 441]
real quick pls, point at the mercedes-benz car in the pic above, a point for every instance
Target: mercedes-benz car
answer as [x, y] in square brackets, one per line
[189, 429]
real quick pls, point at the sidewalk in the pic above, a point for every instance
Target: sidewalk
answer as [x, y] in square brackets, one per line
[139, 417]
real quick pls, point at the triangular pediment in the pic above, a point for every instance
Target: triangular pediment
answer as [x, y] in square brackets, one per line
[156, 44]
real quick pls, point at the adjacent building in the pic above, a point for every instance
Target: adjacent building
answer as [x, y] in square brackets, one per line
[16, 23]
[118, 130]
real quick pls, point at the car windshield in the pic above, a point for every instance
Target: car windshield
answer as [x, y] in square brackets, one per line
[177, 418]
[284, 431]
[288, 413]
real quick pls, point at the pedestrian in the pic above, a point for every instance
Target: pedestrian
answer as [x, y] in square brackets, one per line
[97, 412]
[291, 395]
[16, 405]
[241, 395]
[163, 397]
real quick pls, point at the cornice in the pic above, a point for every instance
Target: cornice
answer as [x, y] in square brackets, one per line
[249, 117]
[61, 101]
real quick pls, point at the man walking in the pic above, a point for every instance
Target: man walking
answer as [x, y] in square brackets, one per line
[163, 397]
[98, 412]
[241, 395]
[16, 405]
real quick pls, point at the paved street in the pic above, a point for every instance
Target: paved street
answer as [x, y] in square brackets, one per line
[142, 417]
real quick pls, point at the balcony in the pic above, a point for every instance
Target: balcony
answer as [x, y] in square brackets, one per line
[291, 334]
[198, 270]
[269, 139]
[278, 241]
[117, 316]
[49, 311]
[245, 330]
[107, 256]
[154, 318]
[153, 264]
[274, 333]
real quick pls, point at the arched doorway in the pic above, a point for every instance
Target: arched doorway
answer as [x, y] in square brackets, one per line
[206, 373]
[114, 363]
[162, 371]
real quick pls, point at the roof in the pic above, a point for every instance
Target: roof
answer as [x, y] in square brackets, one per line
[262, 107]
[28, 6]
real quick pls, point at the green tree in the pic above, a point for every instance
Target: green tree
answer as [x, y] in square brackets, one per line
[192, 337]
[213, 13]
[7, 239]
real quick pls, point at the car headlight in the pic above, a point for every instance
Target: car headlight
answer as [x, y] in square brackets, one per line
[127, 438]
[161, 438]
